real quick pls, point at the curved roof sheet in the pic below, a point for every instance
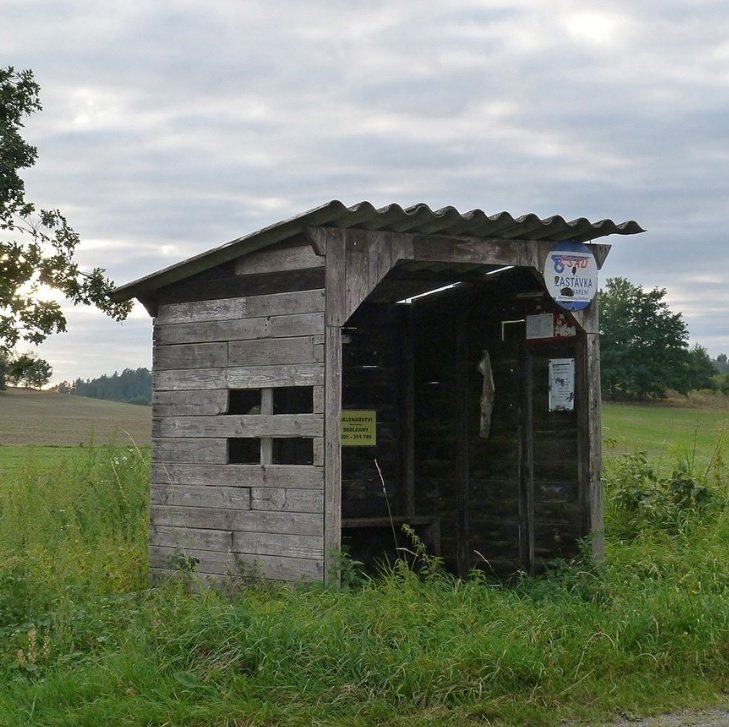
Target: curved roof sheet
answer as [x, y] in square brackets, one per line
[419, 219]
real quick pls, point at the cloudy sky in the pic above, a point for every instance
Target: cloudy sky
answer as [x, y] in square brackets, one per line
[170, 127]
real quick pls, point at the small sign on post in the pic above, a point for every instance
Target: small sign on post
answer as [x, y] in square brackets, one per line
[358, 428]
[570, 274]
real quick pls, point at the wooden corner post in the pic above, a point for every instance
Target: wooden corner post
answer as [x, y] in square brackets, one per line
[335, 301]
[356, 261]
[589, 427]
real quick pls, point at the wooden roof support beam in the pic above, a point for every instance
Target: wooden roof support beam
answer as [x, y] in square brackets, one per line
[520, 253]
[467, 249]
[317, 237]
[357, 260]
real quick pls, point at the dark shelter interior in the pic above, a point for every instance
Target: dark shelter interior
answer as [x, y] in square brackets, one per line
[493, 485]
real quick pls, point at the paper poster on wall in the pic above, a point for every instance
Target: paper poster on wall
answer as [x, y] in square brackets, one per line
[488, 391]
[562, 326]
[540, 326]
[359, 428]
[561, 384]
[546, 326]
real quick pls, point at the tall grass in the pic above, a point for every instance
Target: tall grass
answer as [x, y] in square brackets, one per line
[68, 534]
[83, 642]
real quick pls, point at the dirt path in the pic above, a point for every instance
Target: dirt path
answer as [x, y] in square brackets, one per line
[687, 718]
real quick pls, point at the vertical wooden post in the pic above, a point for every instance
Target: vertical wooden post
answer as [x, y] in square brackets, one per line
[334, 318]
[407, 446]
[526, 462]
[590, 430]
[266, 442]
[332, 451]
[462, 464]
[334, 277]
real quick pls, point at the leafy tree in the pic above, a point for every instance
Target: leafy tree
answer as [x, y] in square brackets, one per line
[720, 378]
[132, 385]
[30, 370]
[37, 246]
[700, 369]
[721, 363]
[643, 344]
[3, 369]
[38, 374]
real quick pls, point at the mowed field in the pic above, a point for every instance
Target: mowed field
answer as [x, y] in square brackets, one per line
[45, 420]
[44, 417]
[38, 427]
[664, 432]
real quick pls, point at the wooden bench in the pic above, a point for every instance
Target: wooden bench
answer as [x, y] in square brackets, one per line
[427, 527]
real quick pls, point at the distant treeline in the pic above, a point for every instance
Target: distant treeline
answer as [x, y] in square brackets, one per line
[133, 386]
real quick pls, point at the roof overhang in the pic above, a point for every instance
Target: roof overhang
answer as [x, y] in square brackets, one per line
[419, 219]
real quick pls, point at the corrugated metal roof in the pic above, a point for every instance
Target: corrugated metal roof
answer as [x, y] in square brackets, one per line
[416, 219]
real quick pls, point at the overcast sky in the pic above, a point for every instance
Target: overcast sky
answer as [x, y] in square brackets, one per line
[170, 127]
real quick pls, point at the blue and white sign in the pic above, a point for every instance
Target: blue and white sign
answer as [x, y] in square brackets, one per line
[570, 273]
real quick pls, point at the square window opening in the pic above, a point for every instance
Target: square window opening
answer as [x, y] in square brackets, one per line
[244, 450]
[293, 400]
[244, 401]
[293, 450]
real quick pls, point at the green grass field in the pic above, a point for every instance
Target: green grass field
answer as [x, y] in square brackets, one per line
[17, 460]
[663, 431]
[83, 642]
[36, 423]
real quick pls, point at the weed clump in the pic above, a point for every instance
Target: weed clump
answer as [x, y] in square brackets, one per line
[640, 499]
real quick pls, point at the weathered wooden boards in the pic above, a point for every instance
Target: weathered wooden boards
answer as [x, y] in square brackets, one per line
[234, 488]
[358, 260]
[230, 517]
[332, 450]
[528, 497]
[589, 423]
[282, 256]
[544, 517]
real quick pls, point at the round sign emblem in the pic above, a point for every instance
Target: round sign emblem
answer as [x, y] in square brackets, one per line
[570, 273]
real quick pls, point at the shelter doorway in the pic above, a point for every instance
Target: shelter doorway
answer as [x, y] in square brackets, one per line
[503, 502]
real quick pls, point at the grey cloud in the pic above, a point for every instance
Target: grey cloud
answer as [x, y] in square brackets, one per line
[170, 127]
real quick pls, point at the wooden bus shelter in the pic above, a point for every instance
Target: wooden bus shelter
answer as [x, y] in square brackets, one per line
[312, 391]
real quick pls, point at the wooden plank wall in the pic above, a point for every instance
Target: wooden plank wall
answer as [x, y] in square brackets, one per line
[435, 436]
[556, 458]
[524, 486]
[473, 484]
[496, 511]
[232, 518]
[524, 504]
[372, 380]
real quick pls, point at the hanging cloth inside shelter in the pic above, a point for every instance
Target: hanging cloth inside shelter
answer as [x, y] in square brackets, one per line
[487, 395]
